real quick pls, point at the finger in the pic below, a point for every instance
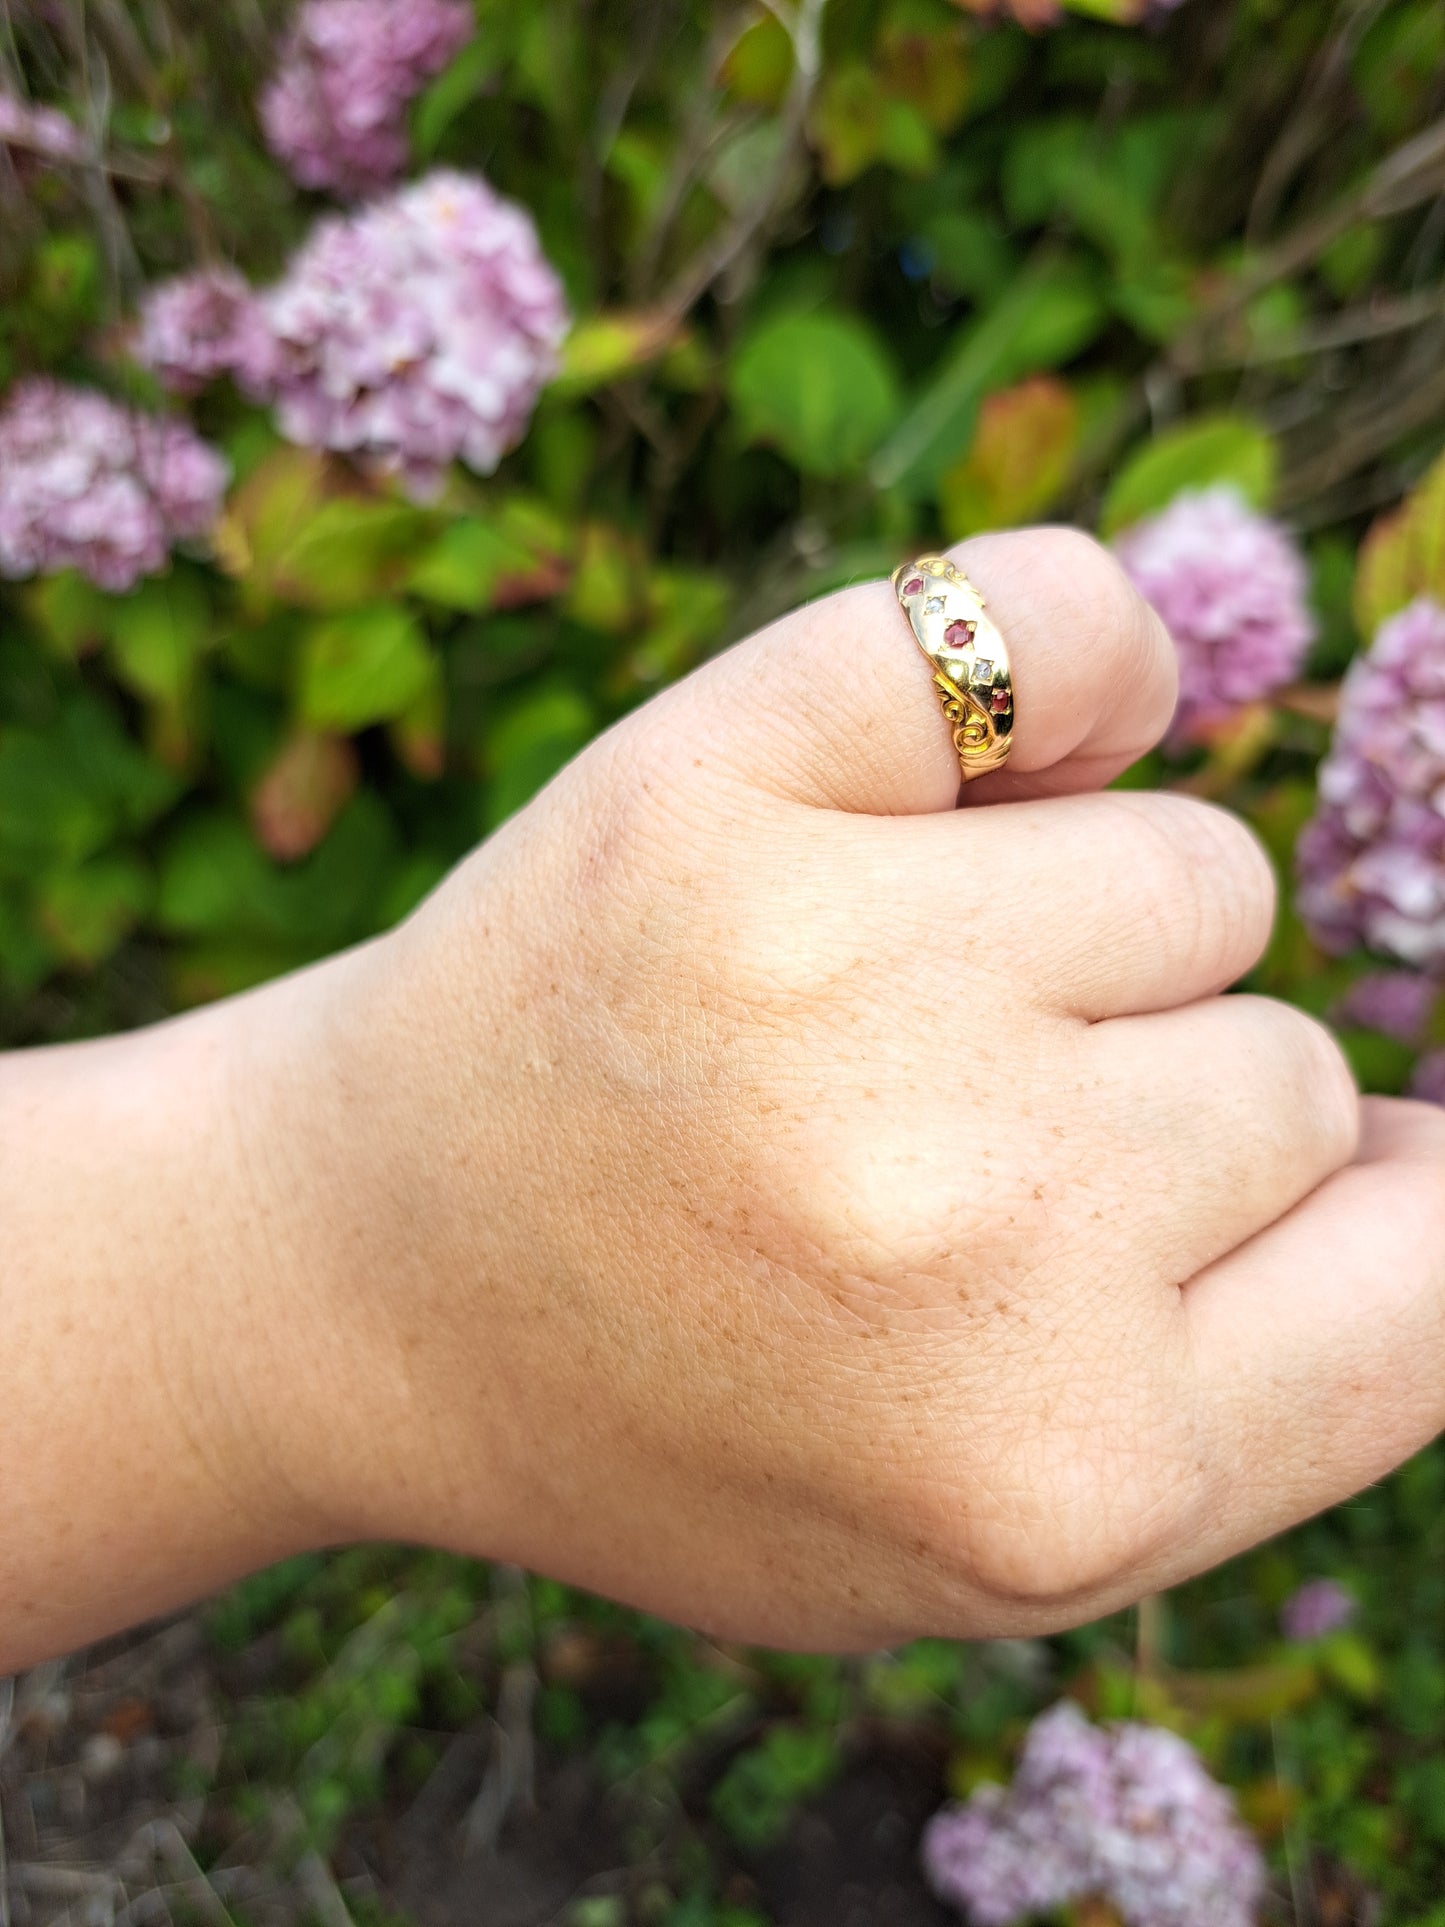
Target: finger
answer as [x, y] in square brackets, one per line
[1320, 1345]
[1116, 904]
[1220, 1119]
[835, 704]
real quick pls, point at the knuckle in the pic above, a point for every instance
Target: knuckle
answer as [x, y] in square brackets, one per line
[1302, 1082]
[1090, 579]
[1325, 1082]
[1069, 1508]
[1210, 884]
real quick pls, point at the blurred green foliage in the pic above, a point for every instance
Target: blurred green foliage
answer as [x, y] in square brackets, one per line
[850, 278]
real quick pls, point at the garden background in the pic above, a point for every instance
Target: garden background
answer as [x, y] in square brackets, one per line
[844, 278]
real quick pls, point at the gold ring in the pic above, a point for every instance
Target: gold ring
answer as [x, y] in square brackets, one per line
[968, 656]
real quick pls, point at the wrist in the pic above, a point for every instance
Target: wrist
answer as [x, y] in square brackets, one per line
[345, 1273]
[144, 1294]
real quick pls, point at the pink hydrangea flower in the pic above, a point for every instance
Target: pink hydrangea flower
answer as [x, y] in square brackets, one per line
[335, 111]
[417, 332]
[1035, 14]
[1371, 863]
[88, 484]
[1428, 1081]
[1320, 1606]
[1397, 1003]
[201, 326]
[41, 131]
[1125, 1814]
[1232, 590]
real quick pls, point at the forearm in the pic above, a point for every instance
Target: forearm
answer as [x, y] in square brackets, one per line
[142, 1269]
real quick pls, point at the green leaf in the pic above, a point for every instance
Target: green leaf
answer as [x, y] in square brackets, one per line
[350, 551]
[362, 668]
[71, 611]
[605, 347]
[88, 911]
[212, 878]
[817, 386]
[26, 959]
[66, 791]
[759, 65]
[685, 611]
[1019, 462]
[216, 882]
[529, 742]
[1207, 453]
[1352, 1665]
[756, 1796]
[1120, 13]
[517, 554]
[969, 255]
[299, 529]
[847, 122]
[157, 637]
[607, 585]
[1403, 555]
[1047, 315]
[453, 90]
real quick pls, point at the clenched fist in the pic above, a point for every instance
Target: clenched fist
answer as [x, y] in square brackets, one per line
[754, 1188]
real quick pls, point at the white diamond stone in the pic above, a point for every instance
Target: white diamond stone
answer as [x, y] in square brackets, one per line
[933, 606]
[983, 670]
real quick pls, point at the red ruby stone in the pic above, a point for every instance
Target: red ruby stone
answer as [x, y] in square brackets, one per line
[915, 587]
[958, 635]
[1001, 701]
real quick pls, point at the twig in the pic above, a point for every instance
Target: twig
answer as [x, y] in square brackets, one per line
[63, 1883]
[1309, 122]
[1368, 430]
[702, 134]
[750, 222]
[1413, 173]
[318, 1883]
[1348, 330]
[510, 1779]
[1149, 1641]
[7, 1701]
[119, 167]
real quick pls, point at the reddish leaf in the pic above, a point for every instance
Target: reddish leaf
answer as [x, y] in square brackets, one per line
[302, 793]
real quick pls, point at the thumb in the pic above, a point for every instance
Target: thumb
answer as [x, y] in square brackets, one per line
[834, 705]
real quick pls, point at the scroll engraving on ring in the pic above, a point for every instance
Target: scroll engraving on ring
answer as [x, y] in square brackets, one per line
[968, 656]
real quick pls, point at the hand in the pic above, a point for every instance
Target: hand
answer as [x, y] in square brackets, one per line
[756, 1190]
[795, 1207]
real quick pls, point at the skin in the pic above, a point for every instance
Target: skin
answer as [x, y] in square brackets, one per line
[749, 1187]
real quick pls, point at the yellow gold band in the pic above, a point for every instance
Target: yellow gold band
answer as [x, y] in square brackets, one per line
[968, 656]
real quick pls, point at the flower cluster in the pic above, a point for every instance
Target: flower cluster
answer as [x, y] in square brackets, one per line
[1035, 14]
[41, 131]
[1317, 1608]
[1372, 861]
[417, 331]
[1231, 588]
[1428, 1079]
[1126, 1815]
[88, 484]
[201, 326]
[335, 111]
[1397, 1003]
